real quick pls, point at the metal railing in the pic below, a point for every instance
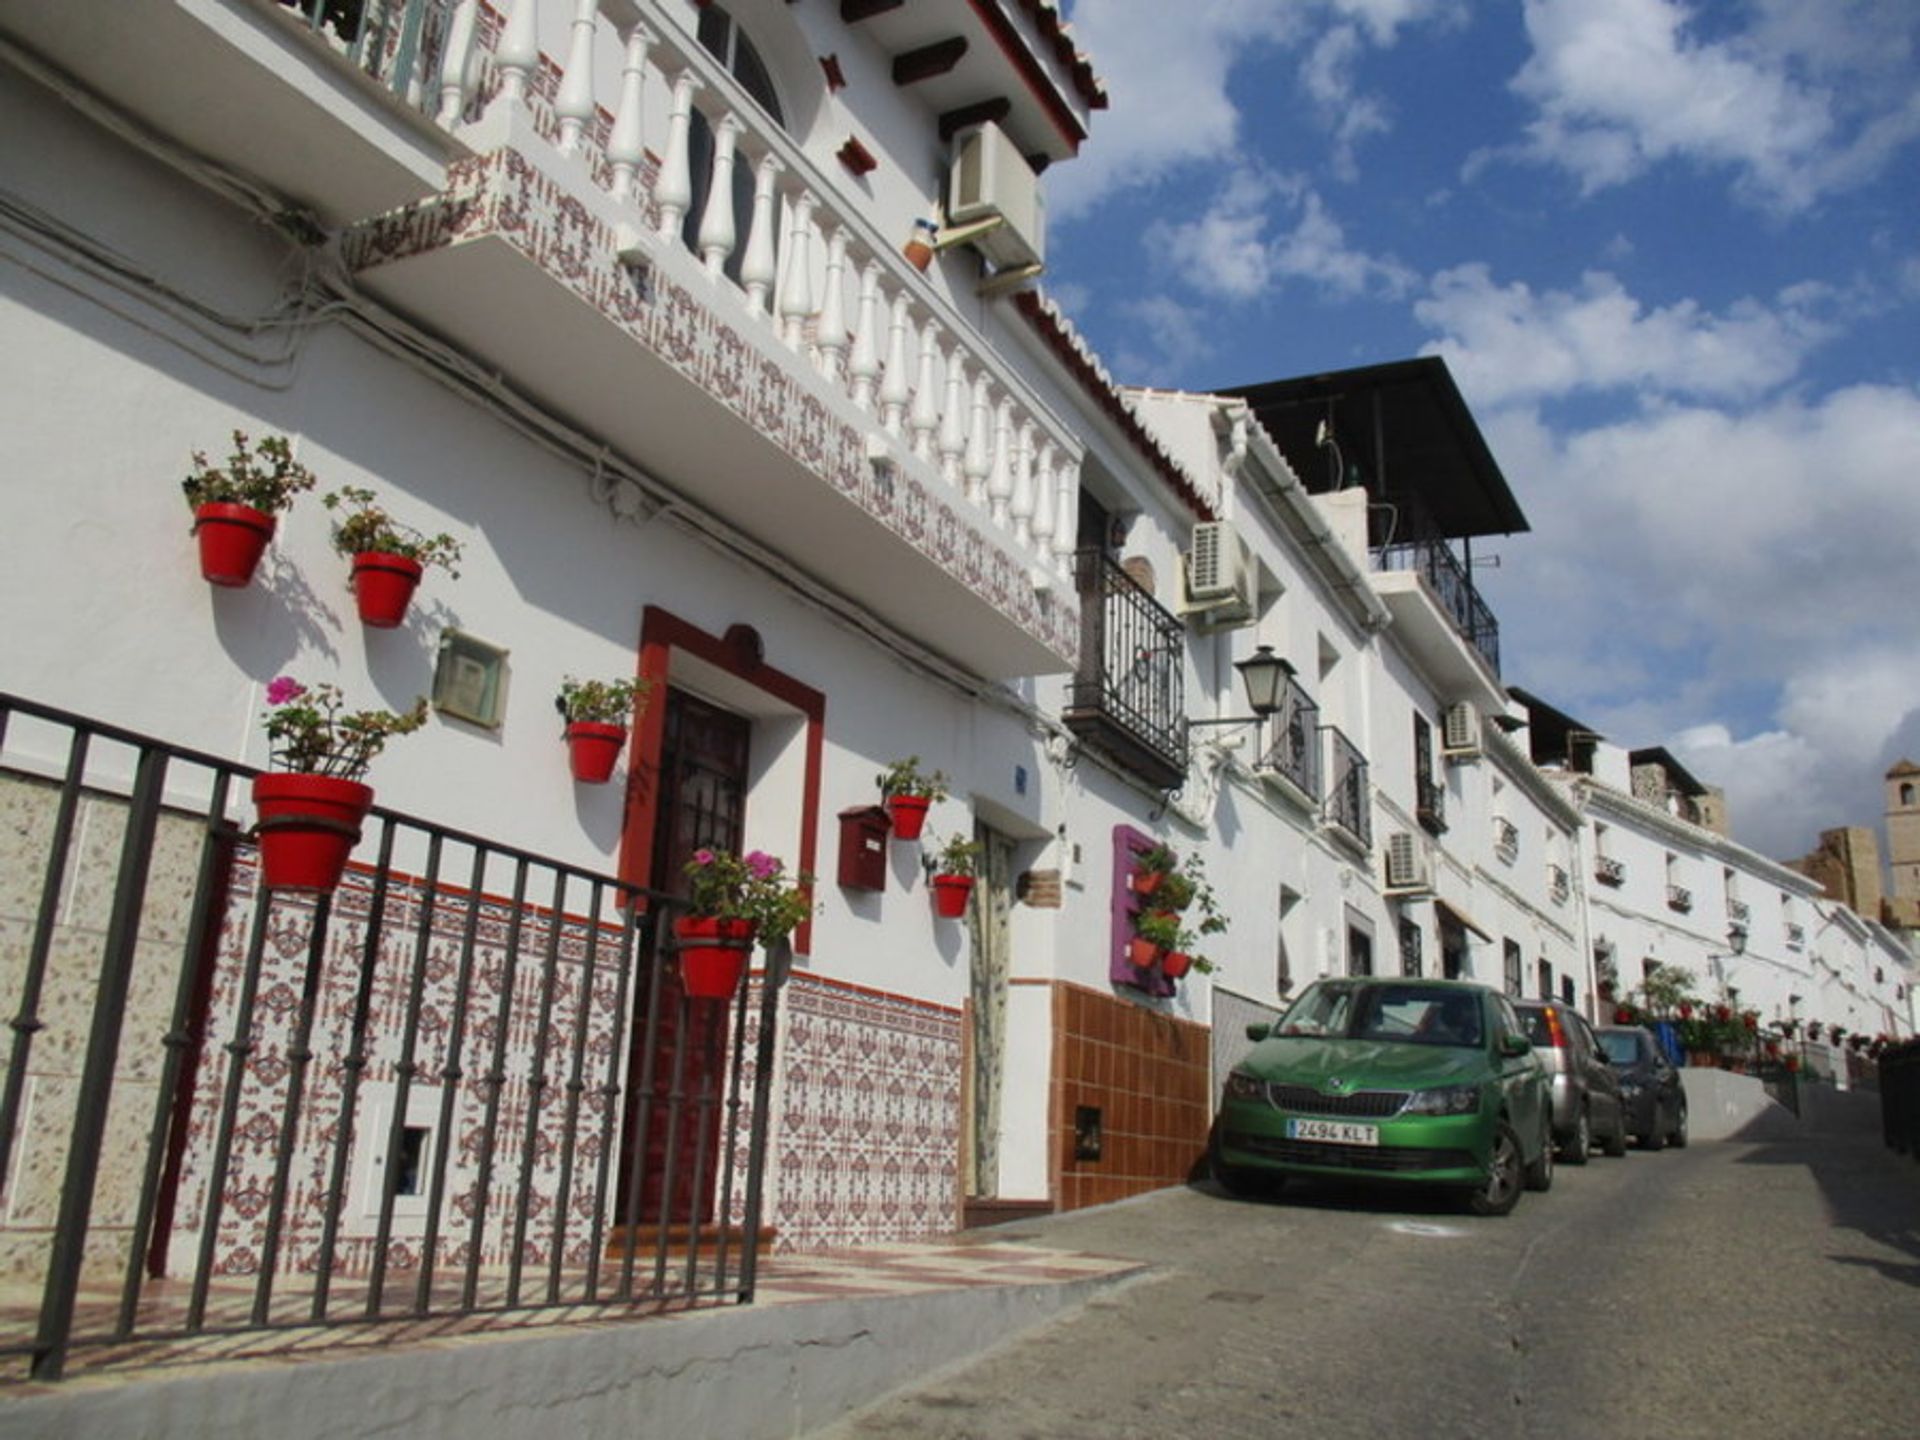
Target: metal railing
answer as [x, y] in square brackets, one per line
[1608, 870]
[1506, 839]
[1738, 911]
[1452, 586]
[1430, 804]
[1347, 796]
[1130, 691]
[398, 43]
[1679, 897]
[1295, 752]
[466, 1082]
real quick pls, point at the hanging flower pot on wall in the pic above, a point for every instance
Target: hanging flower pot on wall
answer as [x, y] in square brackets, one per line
[383, 587]
[713, 954]
[593, 749]
[1175, 964]
[308, 827]
[1142, 952]
[950, 894]
[232, 539]
[909, 794]
[909, 815]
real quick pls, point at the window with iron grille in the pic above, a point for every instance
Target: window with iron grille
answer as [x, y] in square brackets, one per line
[1410, 947]
[1359, 951]
[1514, 967]
[1544, 974]
[1430, 799]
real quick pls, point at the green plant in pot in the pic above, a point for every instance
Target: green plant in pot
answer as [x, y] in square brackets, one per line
[236, 505]
[1151, 868]
[909, 792]
[388, 557]
[596, 713]
[732, 901]
[953, 873]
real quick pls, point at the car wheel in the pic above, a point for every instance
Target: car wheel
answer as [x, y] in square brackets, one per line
[1500, 1192]
[1580, 1143]
[1540, 1172]
[1240, 1182]
[1617, 1137]
[1656, 1138]
[1678, 1139]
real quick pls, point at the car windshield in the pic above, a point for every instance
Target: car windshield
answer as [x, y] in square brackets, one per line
[1622, 1046]
[1412, 1014]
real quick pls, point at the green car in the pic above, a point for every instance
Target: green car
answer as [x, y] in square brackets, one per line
[1429, 1082]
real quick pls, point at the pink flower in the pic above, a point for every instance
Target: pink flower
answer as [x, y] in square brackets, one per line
[283, 688]
[761, 865]
[703, 857]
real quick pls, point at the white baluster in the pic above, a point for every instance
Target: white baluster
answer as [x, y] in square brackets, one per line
[893, 384]
[518, 52]
[864, 364]
[1000, 477]
[457, 61]
[1020, 503]
[1043, 517]
[717, 232]
[979, 459]
[796, 284]
[1066, 524]
[627, 145]
[925, 415]
[574, 103]
[831, 333]
[953, 419]
[673, 188]
[757, 270]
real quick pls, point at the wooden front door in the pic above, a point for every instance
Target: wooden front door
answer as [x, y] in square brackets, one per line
[676, 1100]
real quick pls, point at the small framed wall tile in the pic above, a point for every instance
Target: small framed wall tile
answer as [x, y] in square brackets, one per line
[470, 680]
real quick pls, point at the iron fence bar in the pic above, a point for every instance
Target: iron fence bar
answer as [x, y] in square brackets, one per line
[676, 1098]
[96, 1079]
[643, 1107]
[703, 1109]
[238, 1049]
[724, 1231]
[299, 1056]
[427, 890]
[26, 1022]
[352, 1066]
[496, 1082]
[576, 1088]
[452, 1071]
[762, 1098]
[610, 1095]
[536, 1088]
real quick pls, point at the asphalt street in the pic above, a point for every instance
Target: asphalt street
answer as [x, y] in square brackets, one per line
[1737, 1287]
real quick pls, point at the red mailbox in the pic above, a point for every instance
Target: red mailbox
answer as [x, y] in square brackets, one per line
[863, 847]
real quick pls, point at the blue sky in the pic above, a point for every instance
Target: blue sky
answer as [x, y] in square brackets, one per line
[1671, 251]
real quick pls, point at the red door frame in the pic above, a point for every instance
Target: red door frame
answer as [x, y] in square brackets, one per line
[738, 653]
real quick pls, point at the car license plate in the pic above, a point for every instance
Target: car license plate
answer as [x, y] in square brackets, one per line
[1341, 1132]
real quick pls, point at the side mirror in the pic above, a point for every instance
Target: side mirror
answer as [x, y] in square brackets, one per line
[1259, 1031]
[1515, 1045]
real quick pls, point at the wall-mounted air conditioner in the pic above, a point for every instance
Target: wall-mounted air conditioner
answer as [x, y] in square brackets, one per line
[1460, 731]
[1220, 579]
[1406, 863]
[991, 184]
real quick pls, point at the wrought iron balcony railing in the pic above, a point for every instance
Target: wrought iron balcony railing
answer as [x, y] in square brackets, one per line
[1348, 800]
[1679, 897]
[1434, 560]
[1295, 752]
[1430, 804]
[1129, 697]
[1608, 870]
[1559, 887]
[1738, 911]
[1506, 839]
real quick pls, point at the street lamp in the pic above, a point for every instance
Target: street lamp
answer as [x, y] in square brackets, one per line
[1265, 676]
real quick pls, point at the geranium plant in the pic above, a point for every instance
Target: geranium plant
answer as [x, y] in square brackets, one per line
[752, 887]
[958, 856]
[904, 777]
[311, 735]
[264, 477]
[366, 526]
[600, 702]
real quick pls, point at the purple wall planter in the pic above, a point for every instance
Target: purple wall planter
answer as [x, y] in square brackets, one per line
[1127, 844]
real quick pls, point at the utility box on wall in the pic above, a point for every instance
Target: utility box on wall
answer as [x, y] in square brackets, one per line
[863, 847]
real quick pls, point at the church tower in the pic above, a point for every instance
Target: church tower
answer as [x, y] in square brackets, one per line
[1903, 831]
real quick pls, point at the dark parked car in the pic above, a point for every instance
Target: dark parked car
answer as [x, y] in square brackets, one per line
[1586, 1091]
[1650, 1089]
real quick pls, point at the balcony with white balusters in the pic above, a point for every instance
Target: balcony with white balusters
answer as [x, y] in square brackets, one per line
[778, 365]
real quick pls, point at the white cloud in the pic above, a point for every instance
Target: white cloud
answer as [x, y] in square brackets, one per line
[1177, 333]
[1509, 342]
[1793, 108]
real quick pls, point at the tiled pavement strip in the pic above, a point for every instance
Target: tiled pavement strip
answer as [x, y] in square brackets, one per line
[956, 1263]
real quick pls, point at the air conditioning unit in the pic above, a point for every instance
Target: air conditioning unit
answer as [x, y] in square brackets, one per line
[1406, 863]
[1460, 730]
[991, 183]
[1221, 579]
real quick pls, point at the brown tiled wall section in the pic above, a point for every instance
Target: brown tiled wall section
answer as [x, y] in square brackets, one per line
[1147, 1073]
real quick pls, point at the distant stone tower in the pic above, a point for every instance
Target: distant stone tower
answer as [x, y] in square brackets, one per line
[1903, 839]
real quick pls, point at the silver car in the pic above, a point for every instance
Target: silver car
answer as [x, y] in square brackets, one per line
[1586, 1090]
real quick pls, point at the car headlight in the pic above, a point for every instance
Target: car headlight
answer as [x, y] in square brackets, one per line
[1630, 1088]
[1447, 1100]
[1245, 1087]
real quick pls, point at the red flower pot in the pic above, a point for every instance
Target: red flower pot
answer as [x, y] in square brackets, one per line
[1146, 882]
[308, 827]
[950, 894]
[1174, 964]
[592, 749]
[713, 954]
[232, 540]
[383, 586]
[1141, 953]
[909, 814]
